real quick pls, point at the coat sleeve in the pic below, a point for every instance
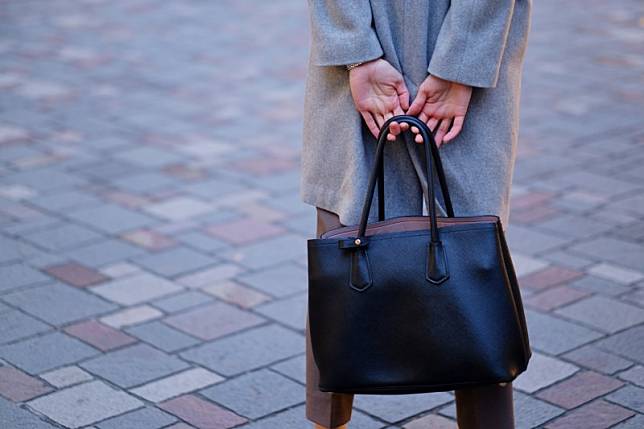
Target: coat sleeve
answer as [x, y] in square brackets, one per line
[471, 41]
[342, 32]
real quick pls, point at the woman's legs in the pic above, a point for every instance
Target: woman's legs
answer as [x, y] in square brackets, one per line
[329, 410]
[489, 406]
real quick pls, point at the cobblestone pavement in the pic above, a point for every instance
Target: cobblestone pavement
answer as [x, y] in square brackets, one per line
[152, 245]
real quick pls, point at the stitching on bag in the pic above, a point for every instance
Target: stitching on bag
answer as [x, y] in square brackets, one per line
[314, 243]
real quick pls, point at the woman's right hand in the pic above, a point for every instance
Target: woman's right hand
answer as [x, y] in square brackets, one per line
[379, 92]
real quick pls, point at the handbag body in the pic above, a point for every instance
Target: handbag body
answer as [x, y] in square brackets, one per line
[414, 304]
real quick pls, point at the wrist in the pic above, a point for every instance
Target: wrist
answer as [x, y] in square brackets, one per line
[353, 66]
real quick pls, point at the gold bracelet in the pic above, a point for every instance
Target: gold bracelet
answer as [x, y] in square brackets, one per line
[354, 65]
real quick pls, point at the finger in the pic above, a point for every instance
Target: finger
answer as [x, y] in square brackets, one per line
[380, 119]
[371, 123]
[457, 126]
[418, 103]
[433, 121]
[394, 128]
[403, 94]
[442, 130]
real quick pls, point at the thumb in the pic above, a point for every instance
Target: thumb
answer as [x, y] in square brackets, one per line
[418, 103]
[403, 94]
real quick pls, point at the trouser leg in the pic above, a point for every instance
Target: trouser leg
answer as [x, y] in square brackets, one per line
[483, 407]
[324, 408]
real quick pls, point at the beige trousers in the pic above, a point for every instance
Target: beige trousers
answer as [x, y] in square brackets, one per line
[485, 407]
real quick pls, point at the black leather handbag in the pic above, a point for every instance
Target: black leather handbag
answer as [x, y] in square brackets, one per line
[414, 304]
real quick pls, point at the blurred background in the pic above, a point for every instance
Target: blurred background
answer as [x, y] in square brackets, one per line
[152, 239]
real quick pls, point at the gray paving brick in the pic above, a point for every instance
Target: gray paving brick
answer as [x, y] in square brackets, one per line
[162, 336]
[600, 286]
[149, 157]
[136, 289]
[256, 394]
[543, 371]
[181, 301]
[279, 280]
[66, 376]
[574, 226]
[175, 261]
[19, 275]
[177, 384]
[289, 311]
[145, 182]
[104, 253]
[269, 252]
[635, 422]
[45, 179]
[201, 241]
[61, 201]
[255, 348]
[15, 417]
[133, 365]
[531, 242]
[58, 304]
[16, 325]
[144, 418]
[603, 314]
[46, 352]
[294, 368]
[393, 408]
[630, 397]
[555, 335]
[293, 418]
[618, 251]
[84, 404]
[65, 236]
[593, 357]
[111, 218]
[16, 250]
[531, 413]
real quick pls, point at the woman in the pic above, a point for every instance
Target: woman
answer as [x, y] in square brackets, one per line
[457, 66]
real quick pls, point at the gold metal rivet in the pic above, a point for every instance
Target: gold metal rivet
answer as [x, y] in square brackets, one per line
[357, 241]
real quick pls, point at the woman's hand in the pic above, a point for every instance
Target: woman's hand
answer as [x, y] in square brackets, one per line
[379, 92]
[443, 101]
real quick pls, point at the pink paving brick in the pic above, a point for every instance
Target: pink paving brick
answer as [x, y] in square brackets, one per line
[149, 239]
[554, 297]
[213, 321]
[244, 231]
[531, 200]
[185, 172]
[533, 215]
[596, 415]
[235, 293]
[76, 275]
[265, 165]
[202, 414]
[580, 388]
[548, 277]
[98, 335]
[18, 386]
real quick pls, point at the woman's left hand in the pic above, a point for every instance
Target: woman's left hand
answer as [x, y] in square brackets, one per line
[441, 103]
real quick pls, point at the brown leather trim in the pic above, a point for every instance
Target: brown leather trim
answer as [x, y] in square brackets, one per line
[406, 223]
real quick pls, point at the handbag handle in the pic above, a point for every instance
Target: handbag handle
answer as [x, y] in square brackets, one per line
[436, 270]
[431, 154]
[440, 173]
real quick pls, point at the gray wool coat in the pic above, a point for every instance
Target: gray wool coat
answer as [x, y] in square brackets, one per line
[480, 43]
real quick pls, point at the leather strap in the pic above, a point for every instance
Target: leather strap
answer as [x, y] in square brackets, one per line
[441, 179]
